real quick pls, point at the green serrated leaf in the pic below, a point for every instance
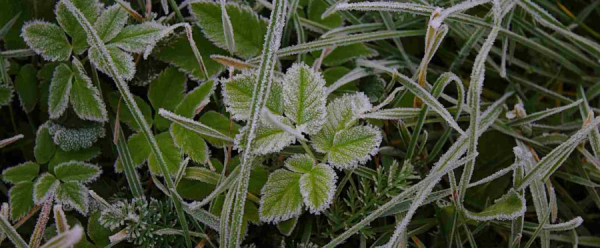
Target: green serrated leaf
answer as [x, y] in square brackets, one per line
[48, 40]
[24, 172]
[268, 137]
[77, 172]
[191, 143]
[305, 98]
[60, 90]
[73, 194]
[21, 199]
[137, 38]
[248, 28]
[26, 86]
[238, 95]
[44, 186]
[170, 153]
[44, 145]
[83, 155]
[300, 163]
[195, 99]
[353, 146]
[125, 115]
[111, 22]
[166, 91]
[90, 9]
[123, 61]
[220, 123]
[282, 199]
[5, 95]
[318, 187]
[508, 207]
[178, 52]
[85, 97]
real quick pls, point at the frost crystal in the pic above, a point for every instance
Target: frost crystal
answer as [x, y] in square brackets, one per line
[75, 139]
[305, 98]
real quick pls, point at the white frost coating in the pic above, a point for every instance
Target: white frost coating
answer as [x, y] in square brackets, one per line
[538, 115]
[269, 137]
[388, 6]
[84, 111]
[125, 64]
[10, 140]
[165, 6]
[355, 74]
[193, 125]
[66, 239]
[111, 21]
[305, 98]
[60, 219]
[437, 22]
[227, 28]
[73, 171]
[552, 205]
[60, 87]
[281, 199]
[569, 225]
[74, 139]
[501, 215]
[43, 45]
[318, 188]
[393, 114]
[67, 199]
[275, 120]
[301, 163]
[354, 146]
[49, 193]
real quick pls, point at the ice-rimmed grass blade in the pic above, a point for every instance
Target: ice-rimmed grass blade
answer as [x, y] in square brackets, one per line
[194, 125]
[95, 41]
[542, 114]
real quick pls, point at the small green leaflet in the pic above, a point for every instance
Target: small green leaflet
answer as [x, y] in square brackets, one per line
[5, 94]
[44, 145]
[305, 98]
[195, 99]
[111, 22]
[62, 156]
[77, 172]
[85, 98]
[26, 86]
[249, 31]
[191, 143]
[89, 8]
[268, 137]
[170, 152]
[285, 190]
[60, 89]
[48, 40]
[508, 207]
[21, 173]
[21, 200]
[123, 61]
[44, 187]
[237, 92]
[354, 146]
[140, 37]
[73, 194]
[166, 91]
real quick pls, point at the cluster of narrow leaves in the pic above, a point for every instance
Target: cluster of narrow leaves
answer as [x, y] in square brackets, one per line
[261, 110]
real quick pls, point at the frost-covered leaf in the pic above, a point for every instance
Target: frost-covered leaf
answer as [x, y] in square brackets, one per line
[111, 22]
[304, 98]
[171, 154]
[60, 90]
[48, 40]
[137, 38]
[510, 206]
[342, 113]
[89, 8]
[44, 186]
[85, 97]
[282, 199]
[123, 61]
[238, 95]
[66, 239]
[194, 126]
[565, 226]
[249, 29]
[24, 172]
[77, 172]
[26, 86]
[195, 99]
[75, 139]
[268, 137]
[44, 145]
[353, 146]
[21, 199]
[191, 143]
[5, 95]
[227, 28]
[166, 92]
[221, 123]
[318, 187]
[73, 194]
[300, 163]
[178, 52]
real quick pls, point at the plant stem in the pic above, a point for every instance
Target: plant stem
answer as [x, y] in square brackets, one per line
[176, 10]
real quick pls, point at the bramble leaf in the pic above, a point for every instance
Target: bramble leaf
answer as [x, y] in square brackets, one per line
[73, 194]
[268, 137]
[249, 29]
[79, 172]
[318, 187]
[83, 155]
[282, 199]
[85, 97]
[111, 22]
[24, 172]
[140, 37]
[353, 146]
[300, 163]
[60, 90]
[237, 92]
[48, 40]
[21, 200]
[123, 61]
[305, 98]
[90, 9]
